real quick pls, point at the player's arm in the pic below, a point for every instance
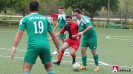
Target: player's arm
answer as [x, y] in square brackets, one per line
[55, 26]
[88, 28]
[16, 42]
[54, 37]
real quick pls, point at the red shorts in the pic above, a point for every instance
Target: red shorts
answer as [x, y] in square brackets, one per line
[74, 43]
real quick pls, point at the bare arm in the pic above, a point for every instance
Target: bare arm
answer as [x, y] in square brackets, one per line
[16, 42]
[55, 40]
[55, 26]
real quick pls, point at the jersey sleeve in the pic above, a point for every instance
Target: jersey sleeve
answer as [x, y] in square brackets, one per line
[88, 24]
[86, 21]
[62, 30]
[22, 24]
[64, 16]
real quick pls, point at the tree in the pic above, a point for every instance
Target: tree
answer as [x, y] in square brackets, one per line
[90, 7]
[20, 6]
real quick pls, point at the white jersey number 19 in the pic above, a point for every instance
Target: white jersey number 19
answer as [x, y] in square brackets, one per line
[39, 28]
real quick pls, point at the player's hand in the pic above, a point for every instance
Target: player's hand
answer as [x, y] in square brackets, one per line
[80, 33]
[78, 38]
[13, 52]
[65, 33]
[50, 39]
[74, 36]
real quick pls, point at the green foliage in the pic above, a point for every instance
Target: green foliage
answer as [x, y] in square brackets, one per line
[91, 6]
[68, 11]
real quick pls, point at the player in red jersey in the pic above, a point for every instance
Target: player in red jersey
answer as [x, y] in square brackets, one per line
[73, 41]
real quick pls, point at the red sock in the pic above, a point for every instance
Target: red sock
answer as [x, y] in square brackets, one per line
[60, 56]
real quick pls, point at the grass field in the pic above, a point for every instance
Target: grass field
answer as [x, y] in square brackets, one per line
[114, 48]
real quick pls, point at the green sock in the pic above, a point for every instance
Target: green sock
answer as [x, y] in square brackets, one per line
[50, 72]
[96, 59]
[84, 58]
[26, 72]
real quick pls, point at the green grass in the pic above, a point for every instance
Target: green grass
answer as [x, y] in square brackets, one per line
[115, 50]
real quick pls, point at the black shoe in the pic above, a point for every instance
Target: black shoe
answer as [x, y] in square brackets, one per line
[73, 62]
[56, 63]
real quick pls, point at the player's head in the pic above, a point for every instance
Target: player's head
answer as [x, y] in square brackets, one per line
[61, 9]
[33, 6]
[77, 13]
[69, 19]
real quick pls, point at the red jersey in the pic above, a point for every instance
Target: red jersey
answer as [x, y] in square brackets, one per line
[71, 28]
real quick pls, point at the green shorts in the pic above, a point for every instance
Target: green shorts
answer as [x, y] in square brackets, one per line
[90, 42]
[62, 36]
[32, 54]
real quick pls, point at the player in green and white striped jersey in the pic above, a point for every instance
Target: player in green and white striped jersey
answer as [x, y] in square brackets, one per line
[89, 38]
[61, 23]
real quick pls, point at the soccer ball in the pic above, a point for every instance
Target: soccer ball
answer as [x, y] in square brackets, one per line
[76, 66]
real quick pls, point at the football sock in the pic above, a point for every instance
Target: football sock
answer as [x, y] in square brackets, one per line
[60, 56]
[96, 59]
[50, 72]
[26, 72]
[84, 58]
[74, 57]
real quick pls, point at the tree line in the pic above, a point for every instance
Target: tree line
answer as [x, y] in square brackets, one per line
[92, 8]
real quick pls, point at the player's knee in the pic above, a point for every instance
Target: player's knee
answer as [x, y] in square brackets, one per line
[63, 49]
[72, 53]
[93, 52]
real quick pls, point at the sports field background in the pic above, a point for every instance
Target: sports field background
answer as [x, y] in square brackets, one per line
[114, 48]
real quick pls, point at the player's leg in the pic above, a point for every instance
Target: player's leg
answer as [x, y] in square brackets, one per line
[74, 44]
[62, 38]
[66, 52]
[95, 56]
[27, 68]
[72, 53]
[83, 52]
[55, 52]
[29, 59]
[48, 68]
[45, 56]
[93, 47]
[64, 47]
[84, 58]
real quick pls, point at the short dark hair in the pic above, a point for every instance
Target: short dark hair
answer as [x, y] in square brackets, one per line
[61, 7]
[77, 10]
[69, 16]
[33, 6]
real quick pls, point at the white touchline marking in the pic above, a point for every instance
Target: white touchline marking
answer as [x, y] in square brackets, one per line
[2, 48]
[11, 49]
[120, 37]
[100, 63]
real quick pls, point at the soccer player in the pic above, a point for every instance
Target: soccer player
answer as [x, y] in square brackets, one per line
[37, 27]
[89, 38]
[73, 41]
[61, 23]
